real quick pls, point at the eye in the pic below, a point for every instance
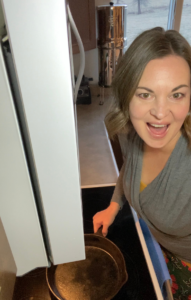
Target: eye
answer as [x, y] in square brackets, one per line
[178, 95]
[144, 95]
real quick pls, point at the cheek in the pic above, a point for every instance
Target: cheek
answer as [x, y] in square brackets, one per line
[181, 113]
[137, 111]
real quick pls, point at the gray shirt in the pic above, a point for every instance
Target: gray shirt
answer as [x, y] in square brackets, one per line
[165, 204]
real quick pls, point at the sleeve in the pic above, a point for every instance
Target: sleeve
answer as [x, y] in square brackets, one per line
[118, 194]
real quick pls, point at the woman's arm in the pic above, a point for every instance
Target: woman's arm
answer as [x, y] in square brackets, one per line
[106, 217]
[118, 194]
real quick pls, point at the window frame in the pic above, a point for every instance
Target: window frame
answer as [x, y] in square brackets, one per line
[175, 14]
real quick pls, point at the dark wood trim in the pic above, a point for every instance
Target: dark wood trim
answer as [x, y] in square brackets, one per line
[117, 152]
[79, 9]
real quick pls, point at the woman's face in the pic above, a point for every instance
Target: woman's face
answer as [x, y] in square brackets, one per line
[161, 101]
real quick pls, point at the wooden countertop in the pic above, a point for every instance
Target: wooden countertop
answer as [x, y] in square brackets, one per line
[97, 163]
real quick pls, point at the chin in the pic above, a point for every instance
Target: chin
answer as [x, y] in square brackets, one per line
[156, 144]
[166, 142]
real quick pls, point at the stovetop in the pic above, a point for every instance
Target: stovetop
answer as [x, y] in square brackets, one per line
[122, 232]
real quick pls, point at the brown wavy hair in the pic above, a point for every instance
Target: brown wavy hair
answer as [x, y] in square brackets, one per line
[149, 45]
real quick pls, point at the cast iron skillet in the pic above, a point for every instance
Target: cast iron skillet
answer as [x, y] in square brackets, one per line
[99, 277]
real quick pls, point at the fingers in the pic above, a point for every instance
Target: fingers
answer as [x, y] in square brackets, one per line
[96, 226]
[103, 218]
[105, 229]
[97, 223]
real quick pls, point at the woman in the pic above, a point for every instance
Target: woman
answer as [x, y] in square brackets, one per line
[153, 120]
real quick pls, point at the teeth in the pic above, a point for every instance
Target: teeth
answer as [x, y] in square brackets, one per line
[155, 125]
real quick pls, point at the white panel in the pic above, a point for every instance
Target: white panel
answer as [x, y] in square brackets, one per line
[8, 268]
[17, 204]
[38, 36]
[2, 22]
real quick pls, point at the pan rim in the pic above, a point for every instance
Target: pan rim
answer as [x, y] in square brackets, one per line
[125, 274]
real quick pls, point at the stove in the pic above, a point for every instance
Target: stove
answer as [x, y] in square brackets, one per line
[122, 232]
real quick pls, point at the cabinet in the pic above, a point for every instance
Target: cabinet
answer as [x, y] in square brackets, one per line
[83, 12]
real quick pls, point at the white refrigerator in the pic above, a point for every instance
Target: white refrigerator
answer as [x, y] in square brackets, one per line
[40, 196]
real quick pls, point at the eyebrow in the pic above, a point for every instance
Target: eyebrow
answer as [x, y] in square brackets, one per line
[173, 90]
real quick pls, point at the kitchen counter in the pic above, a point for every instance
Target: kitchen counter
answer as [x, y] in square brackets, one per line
[97, 164]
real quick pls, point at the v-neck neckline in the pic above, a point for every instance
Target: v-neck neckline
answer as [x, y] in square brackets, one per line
[140, 162]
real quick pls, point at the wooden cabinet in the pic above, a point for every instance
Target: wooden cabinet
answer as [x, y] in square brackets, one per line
[83, 12]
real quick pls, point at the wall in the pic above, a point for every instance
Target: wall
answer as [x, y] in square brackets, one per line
[91, 64]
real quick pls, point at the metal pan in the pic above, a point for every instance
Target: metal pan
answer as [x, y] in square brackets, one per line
[99, 277]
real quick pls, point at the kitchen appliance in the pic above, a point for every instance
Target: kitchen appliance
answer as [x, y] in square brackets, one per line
[40, 195]
[112, 39]
[84, 93]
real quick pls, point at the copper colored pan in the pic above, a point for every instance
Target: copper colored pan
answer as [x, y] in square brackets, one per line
[99, 277]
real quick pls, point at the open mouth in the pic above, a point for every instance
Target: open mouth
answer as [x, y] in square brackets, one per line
[157, 130]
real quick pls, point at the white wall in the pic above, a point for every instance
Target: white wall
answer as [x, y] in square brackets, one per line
[91, 64]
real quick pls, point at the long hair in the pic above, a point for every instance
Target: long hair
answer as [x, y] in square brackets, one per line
[149, 45]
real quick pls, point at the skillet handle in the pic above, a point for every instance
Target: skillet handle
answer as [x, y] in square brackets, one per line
[99, 232]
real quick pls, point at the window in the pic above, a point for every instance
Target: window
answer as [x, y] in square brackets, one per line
[185, 25]
[145, 14]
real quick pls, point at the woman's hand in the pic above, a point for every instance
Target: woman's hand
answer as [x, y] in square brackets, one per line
[105, 217]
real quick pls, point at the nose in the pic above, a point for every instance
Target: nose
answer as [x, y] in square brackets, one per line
[160, 108]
